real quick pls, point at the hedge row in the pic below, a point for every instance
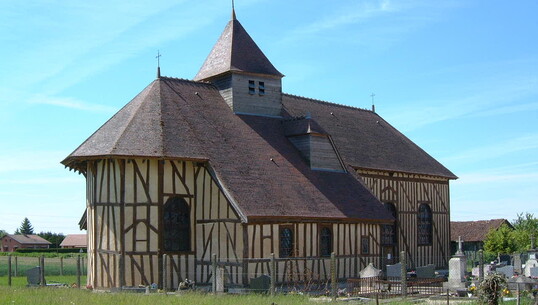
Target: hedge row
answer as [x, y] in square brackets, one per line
[51, 250]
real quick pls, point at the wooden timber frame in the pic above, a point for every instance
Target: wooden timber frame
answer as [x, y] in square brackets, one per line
[407, 192]
[125, 203]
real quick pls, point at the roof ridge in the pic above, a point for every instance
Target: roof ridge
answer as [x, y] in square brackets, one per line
[327, 102]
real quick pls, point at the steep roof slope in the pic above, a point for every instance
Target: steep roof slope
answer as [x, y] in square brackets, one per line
[236, 51]
[252, 158]
[474, 230]
[75, 240]
[364, 139]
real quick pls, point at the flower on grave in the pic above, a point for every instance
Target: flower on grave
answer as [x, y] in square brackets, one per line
[506, 292]
[472, 289]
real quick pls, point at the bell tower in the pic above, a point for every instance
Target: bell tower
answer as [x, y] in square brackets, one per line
[246, 79]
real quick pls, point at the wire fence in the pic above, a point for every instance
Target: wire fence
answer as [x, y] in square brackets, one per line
[52, 266]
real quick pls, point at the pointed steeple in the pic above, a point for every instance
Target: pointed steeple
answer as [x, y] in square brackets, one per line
[235, 51]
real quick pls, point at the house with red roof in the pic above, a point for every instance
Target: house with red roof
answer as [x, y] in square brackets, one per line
[12, 242]
[78, 241]
[228, 164]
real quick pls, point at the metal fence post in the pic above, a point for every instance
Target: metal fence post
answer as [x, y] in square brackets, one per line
[273, 274]
[333, 276]
[16, 266]
[214, 270]
[403, 274]
[9, 270]
[78, 271]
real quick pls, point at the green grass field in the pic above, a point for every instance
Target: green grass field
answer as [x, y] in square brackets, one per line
[73, 296]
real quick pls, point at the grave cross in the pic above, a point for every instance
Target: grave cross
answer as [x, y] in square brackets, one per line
[460, 246]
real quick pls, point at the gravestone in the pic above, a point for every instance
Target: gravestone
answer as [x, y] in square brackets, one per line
[517, 263]
[33, 276]
[530, 263]
[534, 272]
[426, 272]
[394, 271]
[507, 271]
[219, 285]
[370, 271]
[456, 269]
[261, 283]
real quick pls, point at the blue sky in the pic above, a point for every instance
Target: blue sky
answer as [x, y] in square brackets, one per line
[460, 78]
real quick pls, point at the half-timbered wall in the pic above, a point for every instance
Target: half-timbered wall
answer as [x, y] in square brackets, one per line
[306, 262]
[407, 192]
[125, 200]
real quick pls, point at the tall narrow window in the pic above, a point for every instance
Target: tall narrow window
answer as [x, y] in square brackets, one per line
[286, 242]
[365, 245]
[325, 241]
[424, 225]
[388, 232]
[177, 225]
[261, 88]
[251, 87]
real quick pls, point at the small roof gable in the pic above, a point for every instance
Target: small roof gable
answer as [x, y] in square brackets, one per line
[235, 51]
[364, 139]
[29, 239]
[474, 230]
[75, 240]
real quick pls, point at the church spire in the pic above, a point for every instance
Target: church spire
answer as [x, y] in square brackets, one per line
[236, 51]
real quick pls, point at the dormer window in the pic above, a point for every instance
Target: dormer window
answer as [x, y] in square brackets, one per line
[251, 87]
[261, 88]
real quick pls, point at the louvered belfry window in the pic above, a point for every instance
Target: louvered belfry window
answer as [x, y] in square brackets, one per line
[424, 225]
[177, 225]
[286, 242]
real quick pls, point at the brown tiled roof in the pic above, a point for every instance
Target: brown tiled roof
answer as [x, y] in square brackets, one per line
[236, 51]
[364, 139]
[29, 239]
[262, 171]
[75, 240]
[474, 230]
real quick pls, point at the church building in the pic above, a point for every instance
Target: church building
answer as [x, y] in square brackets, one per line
[228, 164]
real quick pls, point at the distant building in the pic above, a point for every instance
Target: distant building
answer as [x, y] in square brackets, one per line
[473, 233]
[10, 243]
[79, 241]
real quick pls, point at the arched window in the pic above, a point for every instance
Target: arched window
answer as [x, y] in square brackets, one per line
[389, 234]
[325, 241]
[286, 242]
[177, 225]
[424, 225]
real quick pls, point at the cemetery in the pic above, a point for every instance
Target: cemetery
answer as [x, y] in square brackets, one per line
[397, 282]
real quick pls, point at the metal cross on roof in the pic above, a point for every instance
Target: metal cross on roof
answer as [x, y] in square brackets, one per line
[373, 105]
[158, 59]
[158, 64]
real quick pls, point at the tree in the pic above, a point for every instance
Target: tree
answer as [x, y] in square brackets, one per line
[501, 241]
[525, 226]
[2, 233]
[54, 238]
[25, 228]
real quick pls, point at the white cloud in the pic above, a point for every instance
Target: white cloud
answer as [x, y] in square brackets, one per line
[521, 143]
[71, 103]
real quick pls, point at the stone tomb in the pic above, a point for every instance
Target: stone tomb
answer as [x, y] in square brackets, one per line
[394, 271]
[370, 271]
[426, 272]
